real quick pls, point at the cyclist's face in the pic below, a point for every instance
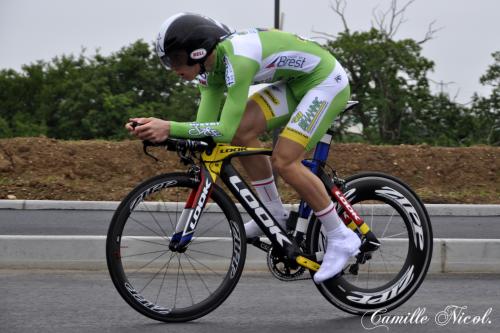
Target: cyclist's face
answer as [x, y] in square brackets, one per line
[177, 62]
[187, 72]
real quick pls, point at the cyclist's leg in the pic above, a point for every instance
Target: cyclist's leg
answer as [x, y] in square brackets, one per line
[308, 124]
[266, 109]
[252, 125]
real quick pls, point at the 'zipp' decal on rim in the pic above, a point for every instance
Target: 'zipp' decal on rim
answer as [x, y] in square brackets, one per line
[236, 249]
[151, 190]
[145, 302]
[384, 295]
[418, 233]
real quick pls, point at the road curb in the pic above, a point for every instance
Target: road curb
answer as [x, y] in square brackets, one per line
[433, 209]
[88, 252]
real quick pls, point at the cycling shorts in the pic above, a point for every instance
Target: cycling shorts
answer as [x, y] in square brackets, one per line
[305, 119]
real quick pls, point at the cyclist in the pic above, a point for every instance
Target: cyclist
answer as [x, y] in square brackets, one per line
[308, 89]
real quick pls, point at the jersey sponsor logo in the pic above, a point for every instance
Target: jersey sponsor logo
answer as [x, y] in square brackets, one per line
[273, 98]
[198, 54]
[230, 79]
[291, 62]
[198, 130]
[307, 120]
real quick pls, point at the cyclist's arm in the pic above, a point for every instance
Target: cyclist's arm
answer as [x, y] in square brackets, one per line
[239, 75]
[209, 108]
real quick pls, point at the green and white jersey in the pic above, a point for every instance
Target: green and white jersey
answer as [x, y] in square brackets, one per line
[246, 58]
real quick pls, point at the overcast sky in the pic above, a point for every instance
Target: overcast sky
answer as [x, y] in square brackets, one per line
[41, 29]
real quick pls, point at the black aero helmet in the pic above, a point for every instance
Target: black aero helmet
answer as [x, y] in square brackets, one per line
[187, 38]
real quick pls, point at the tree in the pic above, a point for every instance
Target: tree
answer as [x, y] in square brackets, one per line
[388, 77]
[91, 97]
[486, 111]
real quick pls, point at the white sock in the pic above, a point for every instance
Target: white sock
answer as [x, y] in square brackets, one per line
[266, 189]
[268, 194]
[329, 218]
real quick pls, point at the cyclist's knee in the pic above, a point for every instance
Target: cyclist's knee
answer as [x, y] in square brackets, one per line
[287, 158]
[243, 138]
[284, 166]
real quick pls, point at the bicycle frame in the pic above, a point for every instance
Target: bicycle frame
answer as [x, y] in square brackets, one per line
[216, 163]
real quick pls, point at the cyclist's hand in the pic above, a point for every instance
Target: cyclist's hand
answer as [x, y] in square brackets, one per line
[151, 129]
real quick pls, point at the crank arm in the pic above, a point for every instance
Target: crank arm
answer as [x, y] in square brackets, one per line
[307, 263]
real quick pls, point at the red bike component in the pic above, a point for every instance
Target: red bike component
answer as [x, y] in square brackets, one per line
[190, 201]
[196, 193]
[341, 199]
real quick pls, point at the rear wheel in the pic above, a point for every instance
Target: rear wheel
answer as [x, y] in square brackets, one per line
[167, 285]
[400, 222]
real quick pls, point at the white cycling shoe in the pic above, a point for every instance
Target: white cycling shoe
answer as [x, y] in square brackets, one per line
[343, 243]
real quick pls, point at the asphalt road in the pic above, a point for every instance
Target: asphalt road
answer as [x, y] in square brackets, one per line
[79, 301]
[75, 222]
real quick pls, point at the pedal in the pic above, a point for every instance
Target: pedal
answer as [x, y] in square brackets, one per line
[354, 269]
[362, 258]
[369, 245]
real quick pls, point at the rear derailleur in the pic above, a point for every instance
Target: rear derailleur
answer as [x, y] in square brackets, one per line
[369, 244]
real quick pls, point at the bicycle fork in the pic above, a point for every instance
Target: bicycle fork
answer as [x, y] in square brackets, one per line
[191, 213]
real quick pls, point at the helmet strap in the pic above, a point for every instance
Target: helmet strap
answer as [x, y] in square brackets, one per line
[203, 70]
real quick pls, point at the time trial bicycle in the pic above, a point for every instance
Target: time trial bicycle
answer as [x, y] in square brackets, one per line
[176, 245]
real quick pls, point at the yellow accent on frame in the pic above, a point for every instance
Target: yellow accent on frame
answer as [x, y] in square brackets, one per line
[352, 226]
[364, 228]
[213, 161]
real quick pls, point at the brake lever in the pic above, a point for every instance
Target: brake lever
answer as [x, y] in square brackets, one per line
[145, 145]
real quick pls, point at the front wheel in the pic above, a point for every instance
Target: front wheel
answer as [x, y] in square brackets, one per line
[400, 221]
[163, 283]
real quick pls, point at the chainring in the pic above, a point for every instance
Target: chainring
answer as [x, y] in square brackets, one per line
[284, 269]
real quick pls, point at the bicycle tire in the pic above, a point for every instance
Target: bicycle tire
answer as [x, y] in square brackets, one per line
[382, 194]
[140, 262]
